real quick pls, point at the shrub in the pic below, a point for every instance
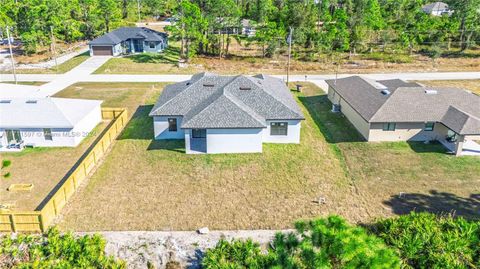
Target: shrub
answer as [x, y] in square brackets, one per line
[331, 243]
[430, 241]
[321, 243]
[55, 250]
[234, 254]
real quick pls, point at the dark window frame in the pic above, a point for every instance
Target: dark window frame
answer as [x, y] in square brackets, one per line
[427, 127]
[47, 134]
[152, 43]
[199, 133]
[278, 128]
[172, 124]
[389, 126]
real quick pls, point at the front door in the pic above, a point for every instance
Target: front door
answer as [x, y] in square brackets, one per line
[13, 136]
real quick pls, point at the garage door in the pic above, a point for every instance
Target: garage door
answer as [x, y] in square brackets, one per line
[102, 50]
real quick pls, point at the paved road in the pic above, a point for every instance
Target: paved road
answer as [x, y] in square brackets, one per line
[173, 78]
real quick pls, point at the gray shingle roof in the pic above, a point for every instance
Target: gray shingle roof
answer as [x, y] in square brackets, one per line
[410, 102]
[461, 122]
[124, 33]
[416, 105]
[211, 101]
[365, 95]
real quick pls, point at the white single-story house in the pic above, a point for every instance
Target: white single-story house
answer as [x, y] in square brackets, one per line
[437, 9]
[227, 114]
[129, 40]
[395, 110]
[46, 122]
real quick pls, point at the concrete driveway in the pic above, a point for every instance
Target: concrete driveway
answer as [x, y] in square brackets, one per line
[73, 76]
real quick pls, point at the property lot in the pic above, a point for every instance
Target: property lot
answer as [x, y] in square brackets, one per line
[246, 59]
[42, 167]
[147, 185]
[154, 185]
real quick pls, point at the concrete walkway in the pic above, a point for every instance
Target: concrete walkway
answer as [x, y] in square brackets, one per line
[73, 76]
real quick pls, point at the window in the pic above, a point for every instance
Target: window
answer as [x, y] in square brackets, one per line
[429, 126]
[172, 124]
[151, 45]
[278, 128]
[47, 133]
[389, 126]
[199, 133]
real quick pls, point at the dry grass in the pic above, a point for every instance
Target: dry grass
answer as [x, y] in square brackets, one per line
[154, 185]
[247, 60]
[472, 85]
[44, 167]
[394, 178]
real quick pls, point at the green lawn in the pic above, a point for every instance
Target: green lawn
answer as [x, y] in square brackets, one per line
[153, 185]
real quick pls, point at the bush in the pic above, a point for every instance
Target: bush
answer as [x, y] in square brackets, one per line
[321, 243]
[388, 58]
[54, 250]
[429, 241]
[235, 254]
[331, 243]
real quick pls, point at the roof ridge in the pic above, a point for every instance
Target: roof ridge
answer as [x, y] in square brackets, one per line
[179, 94]
[244, 107]
[53, 100]
[273, 96]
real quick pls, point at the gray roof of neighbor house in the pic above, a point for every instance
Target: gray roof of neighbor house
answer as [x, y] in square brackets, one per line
[456, 108]
[212, 101]
[435, 6]
[121, 34]
[365, 95]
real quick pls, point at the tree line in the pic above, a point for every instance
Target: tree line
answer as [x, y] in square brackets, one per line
[327, 25]
[204, 26]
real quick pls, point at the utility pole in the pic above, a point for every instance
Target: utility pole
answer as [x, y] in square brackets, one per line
[289, 53]
[11, 56]
[138, 9]
[54, 53]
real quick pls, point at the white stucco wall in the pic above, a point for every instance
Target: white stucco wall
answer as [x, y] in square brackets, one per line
[293, 132]
[35, 136]
[160, 127]
[234, 140]
[61, 137]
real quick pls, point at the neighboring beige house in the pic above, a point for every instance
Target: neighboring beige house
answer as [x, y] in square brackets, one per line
[395, 110]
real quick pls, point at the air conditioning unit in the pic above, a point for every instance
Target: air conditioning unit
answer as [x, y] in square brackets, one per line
[336, 108]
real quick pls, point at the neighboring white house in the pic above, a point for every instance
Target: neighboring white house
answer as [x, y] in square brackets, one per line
[437, 9]
[227, 114]
[128, 40]
[46, 122]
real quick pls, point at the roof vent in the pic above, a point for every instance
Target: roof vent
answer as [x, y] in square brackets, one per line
[5, 101]
[208, 85]
[188, 83]
[31, 101]
[245, 88]
[431, 92]
[386, 92]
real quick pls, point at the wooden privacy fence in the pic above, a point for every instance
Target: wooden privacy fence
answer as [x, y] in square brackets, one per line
[40, 219]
